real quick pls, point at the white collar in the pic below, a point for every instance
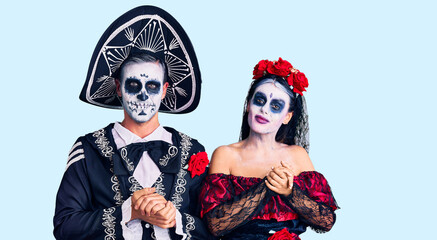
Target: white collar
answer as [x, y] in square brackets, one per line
[124, 137]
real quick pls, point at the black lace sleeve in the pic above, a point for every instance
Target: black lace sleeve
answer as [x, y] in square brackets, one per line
[318, 216]
[312, 200]
[231, 214]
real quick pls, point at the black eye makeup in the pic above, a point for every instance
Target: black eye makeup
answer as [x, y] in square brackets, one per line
[259, 99]
[153, 87]
[132, 85]
[276, 105]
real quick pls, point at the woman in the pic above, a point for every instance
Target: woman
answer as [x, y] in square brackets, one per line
[265, 186]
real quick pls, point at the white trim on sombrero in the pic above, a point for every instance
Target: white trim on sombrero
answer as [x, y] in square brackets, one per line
[122, 28]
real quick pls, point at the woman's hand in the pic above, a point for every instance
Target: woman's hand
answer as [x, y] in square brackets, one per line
[280, 179]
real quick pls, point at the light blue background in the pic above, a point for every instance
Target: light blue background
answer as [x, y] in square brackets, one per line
[371, 66]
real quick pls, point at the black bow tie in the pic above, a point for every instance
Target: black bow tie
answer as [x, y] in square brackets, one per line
[162, 153]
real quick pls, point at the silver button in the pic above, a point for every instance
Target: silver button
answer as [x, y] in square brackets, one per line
[147, 225]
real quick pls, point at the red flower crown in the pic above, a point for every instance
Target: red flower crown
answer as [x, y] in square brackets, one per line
[284, 69]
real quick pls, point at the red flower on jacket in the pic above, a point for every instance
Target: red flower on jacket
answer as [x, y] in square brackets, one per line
[197, 164]
[284, 235]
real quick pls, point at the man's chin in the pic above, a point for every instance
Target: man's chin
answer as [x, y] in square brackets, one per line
[142, 118]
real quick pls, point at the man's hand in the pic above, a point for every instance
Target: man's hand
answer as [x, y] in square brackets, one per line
[153, 208]
[146, 202]
[164, 218]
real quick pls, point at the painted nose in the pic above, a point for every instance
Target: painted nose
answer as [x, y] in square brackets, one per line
[142, 96]
[263, 109]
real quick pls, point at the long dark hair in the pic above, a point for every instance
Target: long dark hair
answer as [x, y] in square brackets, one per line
[287, 132]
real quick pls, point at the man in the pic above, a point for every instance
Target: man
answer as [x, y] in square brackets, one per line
[136, 179]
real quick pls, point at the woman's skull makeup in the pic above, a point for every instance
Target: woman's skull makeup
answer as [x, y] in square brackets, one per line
[268, 108]
[141, 89]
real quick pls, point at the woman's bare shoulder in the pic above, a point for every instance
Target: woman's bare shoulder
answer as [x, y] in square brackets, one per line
[300, 158]
[224, 157]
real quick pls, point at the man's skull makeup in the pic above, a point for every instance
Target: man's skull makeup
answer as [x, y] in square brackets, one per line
[268, 108]
[141, 87]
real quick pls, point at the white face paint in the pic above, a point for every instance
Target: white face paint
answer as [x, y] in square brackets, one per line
[268, 108]
[141, 89]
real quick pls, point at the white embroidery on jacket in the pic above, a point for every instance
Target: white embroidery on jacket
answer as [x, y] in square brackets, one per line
[181, 182]
[116, 188]
[135, 184]
[123, 153]
[190, 225]
[109, 223]
[159, 186]
[103, 143]
[172, 151]
[107, 151]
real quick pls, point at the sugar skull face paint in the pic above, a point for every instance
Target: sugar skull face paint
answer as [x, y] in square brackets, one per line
[268, 108]
[141, 89]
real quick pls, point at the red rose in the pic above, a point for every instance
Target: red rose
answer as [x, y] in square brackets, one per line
[260, 68]
[299, 82]
[280, 68]
[197, 164]
[284, 235]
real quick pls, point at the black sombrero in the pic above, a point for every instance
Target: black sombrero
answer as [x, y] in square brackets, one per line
[151, 29]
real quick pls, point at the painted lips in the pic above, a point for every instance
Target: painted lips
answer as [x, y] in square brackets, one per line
[261, 119]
